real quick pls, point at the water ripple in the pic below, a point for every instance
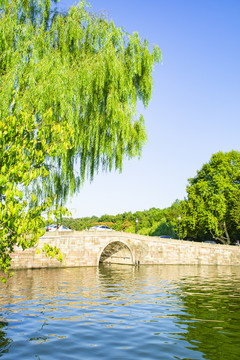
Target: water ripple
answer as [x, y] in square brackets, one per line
[152, 312]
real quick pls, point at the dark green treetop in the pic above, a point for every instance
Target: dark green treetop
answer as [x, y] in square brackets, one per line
[213, 199]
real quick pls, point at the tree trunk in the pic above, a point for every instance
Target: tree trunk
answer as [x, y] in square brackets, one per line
[223, 239]
[226, 232]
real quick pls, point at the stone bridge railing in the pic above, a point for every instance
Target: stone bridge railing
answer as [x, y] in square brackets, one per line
[86, 248]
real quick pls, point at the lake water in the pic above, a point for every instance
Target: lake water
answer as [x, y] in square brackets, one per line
[122, 312]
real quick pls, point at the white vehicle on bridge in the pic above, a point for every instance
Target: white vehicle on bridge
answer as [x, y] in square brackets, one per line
[56, 228]
[100, 228]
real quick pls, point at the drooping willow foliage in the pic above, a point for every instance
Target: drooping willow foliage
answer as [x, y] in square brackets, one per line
[76, 79]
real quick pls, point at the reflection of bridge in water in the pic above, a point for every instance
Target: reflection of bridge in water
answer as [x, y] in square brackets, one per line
[86, 248]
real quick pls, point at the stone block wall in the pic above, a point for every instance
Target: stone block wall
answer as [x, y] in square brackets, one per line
[86, 248]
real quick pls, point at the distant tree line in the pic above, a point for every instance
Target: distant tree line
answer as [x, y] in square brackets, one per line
[153, 222]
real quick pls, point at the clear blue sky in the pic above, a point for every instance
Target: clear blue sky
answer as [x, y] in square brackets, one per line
[195, 108]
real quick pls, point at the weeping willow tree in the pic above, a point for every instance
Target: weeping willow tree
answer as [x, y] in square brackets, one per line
[69, 85]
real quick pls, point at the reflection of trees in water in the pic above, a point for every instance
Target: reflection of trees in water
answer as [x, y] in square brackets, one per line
[4, 341]
[212, 319]
[208, 297]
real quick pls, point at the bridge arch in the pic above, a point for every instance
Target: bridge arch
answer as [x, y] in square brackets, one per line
[117, 252]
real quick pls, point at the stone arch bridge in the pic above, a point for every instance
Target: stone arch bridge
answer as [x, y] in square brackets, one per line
[89, 248]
